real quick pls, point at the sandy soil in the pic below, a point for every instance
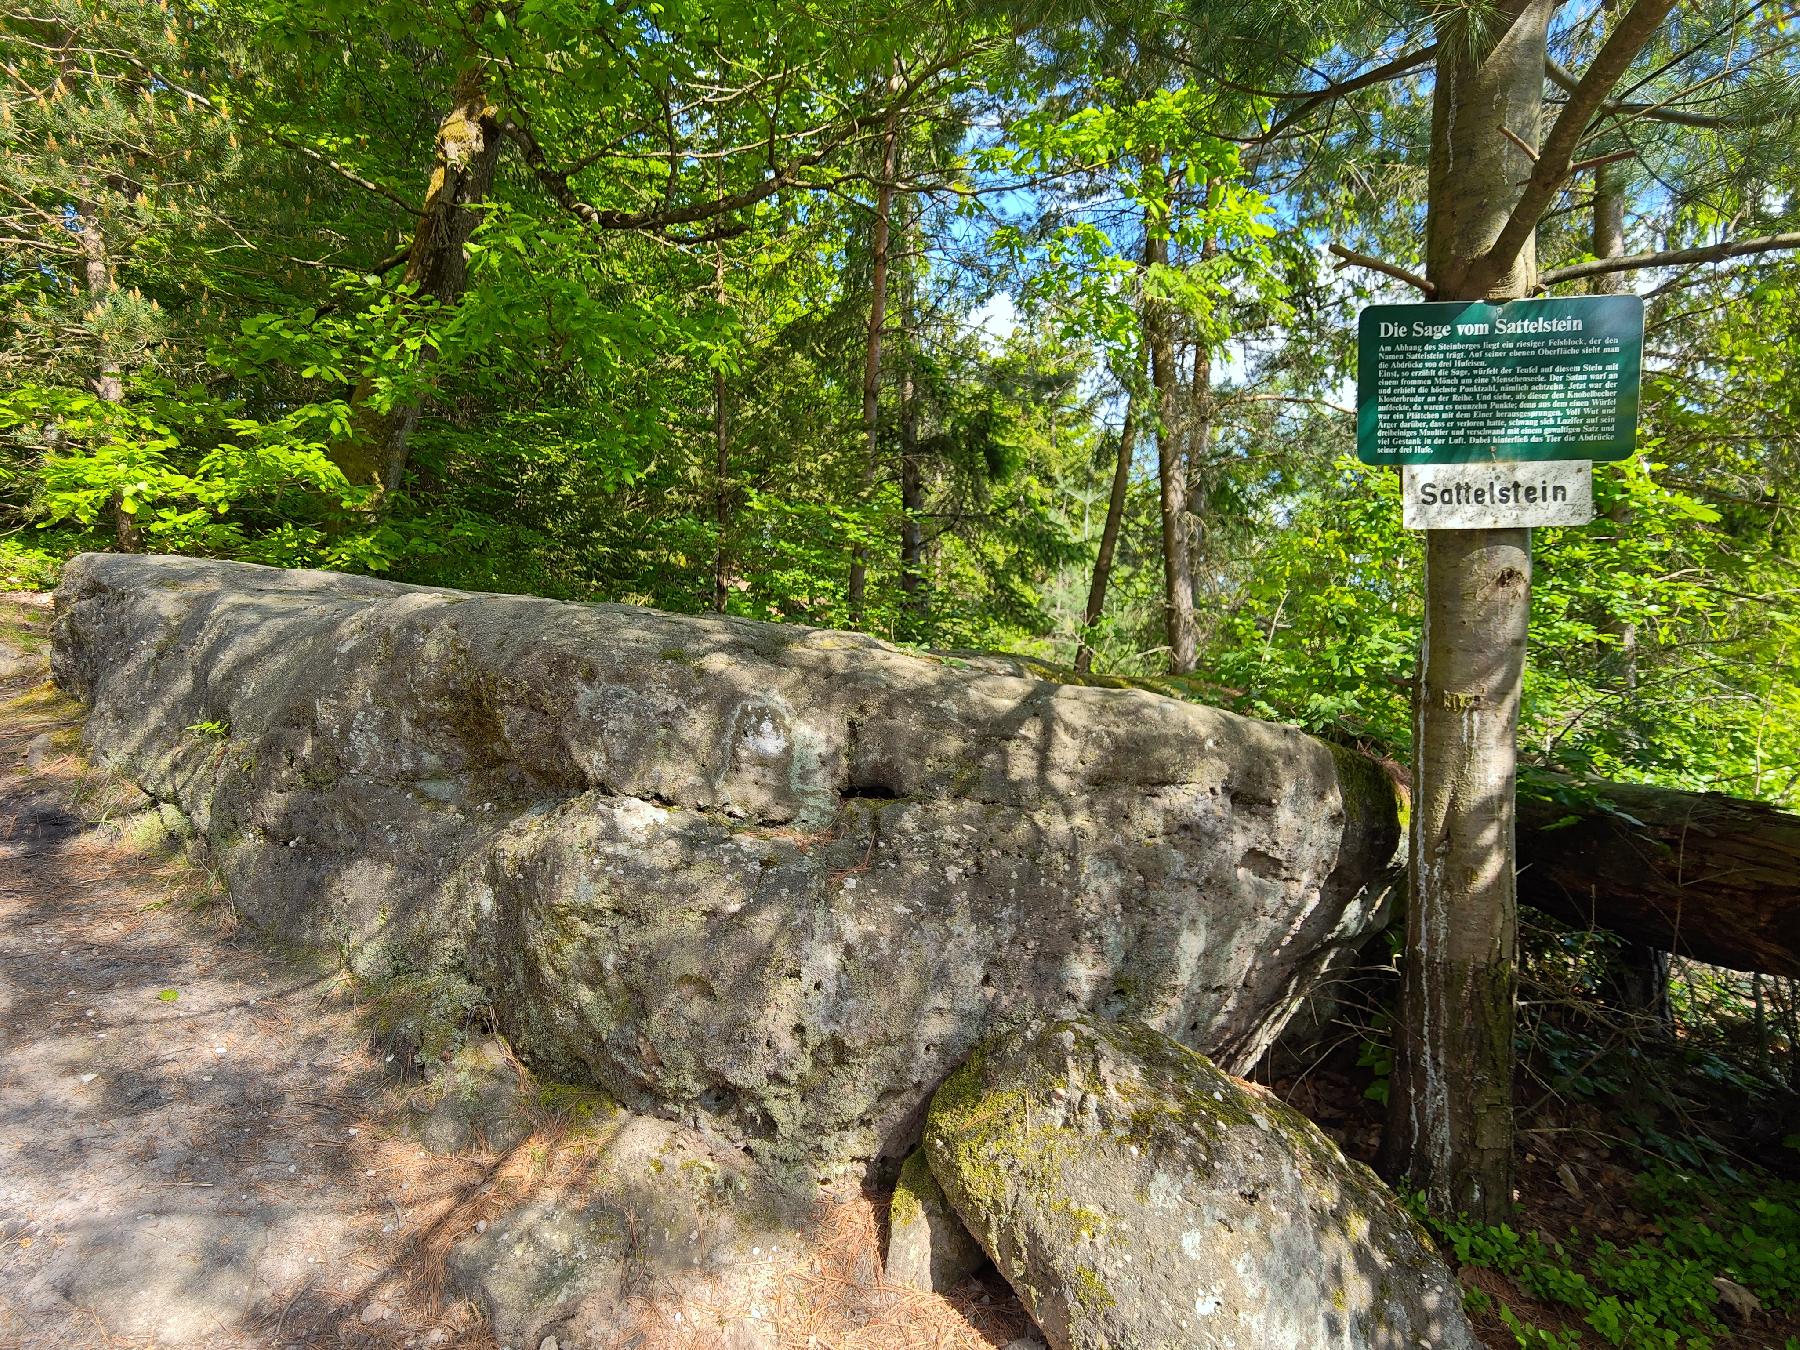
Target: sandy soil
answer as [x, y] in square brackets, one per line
[191, 1143]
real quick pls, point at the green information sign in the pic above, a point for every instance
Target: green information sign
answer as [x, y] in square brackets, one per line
[1463, 382]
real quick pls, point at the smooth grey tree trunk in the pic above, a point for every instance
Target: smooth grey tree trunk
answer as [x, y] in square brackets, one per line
[1452, 1128]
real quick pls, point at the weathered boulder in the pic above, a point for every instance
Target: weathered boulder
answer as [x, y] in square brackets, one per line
[774, 878]
[928, 1246]
[473, 1099]
[663, 1213]
[1136, 1196]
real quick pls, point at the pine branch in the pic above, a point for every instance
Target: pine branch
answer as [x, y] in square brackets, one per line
[1404, 64]
[349, 175]
[1655, 112]
[557, 184]
[781, 175]
[1735, 248]
[1557, 153]
[1354, 259]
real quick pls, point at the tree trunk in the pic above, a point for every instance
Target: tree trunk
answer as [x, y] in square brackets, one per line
[914, 596]
[1609, 227]
[1197, 441]
[1490, 74]
[467, 151]
[1109, 533]
[912, 504]
[1178, 585]
[721, 444]
[1712, 877]
[871, 390]
[1197, 438]
[109, 377]
[1451, 1131]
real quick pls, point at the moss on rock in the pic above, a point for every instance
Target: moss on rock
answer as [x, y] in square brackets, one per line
[928, 1246]
[1135, 1195]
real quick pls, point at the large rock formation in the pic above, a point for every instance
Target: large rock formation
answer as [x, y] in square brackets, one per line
[774, 880]
[1137, 1197]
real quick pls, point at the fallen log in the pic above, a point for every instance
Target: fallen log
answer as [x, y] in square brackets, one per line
[1701, 874]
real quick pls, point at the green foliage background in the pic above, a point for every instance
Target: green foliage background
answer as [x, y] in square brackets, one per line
[250, 174]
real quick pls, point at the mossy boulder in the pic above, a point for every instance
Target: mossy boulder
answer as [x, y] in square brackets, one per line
[773, 878]
[1138, 1197]
[928, 1247]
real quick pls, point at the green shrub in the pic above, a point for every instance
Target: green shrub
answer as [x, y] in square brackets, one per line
[1657, 1293]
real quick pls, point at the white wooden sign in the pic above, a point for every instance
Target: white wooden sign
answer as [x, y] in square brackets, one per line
[1498, 496]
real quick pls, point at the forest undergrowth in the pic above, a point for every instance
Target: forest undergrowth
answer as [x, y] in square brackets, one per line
[1658, 1183]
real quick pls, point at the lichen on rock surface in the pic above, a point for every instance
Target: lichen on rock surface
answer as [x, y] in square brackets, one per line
[773, 879]
[1137, 1196]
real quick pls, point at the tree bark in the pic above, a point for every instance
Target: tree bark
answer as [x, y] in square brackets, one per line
[1109, 533]
[466, 154]
[914, 595]
[1451, 1131]
[1609, 227]
[109, 377]
[1196, 442]
[912, 504]
[1554, 152]
[1178, 585]
[871, 389]
[721, 492]
[1712, 877]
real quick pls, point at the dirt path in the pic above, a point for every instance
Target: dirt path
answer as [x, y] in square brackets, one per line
[199, 1148]
[192, 1148]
